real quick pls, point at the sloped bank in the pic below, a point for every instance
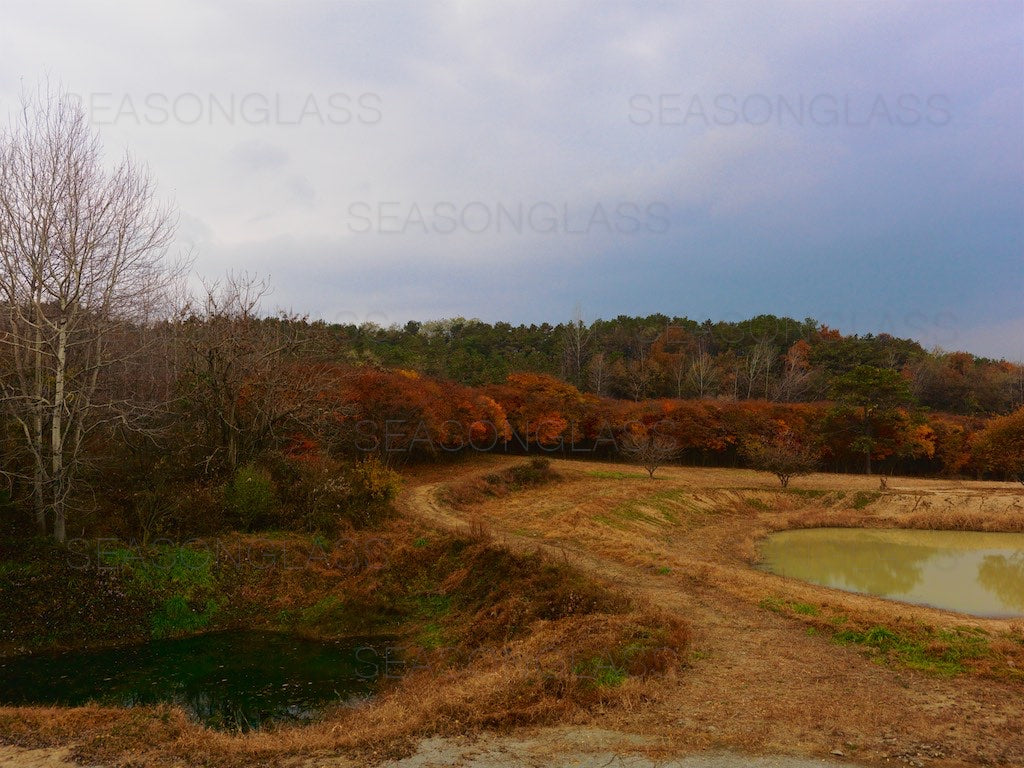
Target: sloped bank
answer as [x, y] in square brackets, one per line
[490, 638]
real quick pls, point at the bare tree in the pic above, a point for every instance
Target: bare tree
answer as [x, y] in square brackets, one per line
[575, 341]
[757, 368]
[239, 369]
[796, 376]
[638, 376]
[82, 251]
[598, 372]
[702, 375]
[650, 451]
[679, 368]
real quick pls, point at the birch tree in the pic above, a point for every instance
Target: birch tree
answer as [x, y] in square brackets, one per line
[82, 265]
[702, 375]
[575, 341]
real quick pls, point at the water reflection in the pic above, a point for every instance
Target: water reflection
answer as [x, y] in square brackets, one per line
[966, 571]
[231, 680]
[1004, 575]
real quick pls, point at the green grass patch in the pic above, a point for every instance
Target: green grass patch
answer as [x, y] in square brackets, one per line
[323, 613]
[773, 604]
[862, 499]
[784, 607]
[432, 606]
[938, 651]
[599, 672]
[631, 510]
[432, 636]
[941, 651]
[175, 616]
[615, 475]
[179, 579]
[672, 506]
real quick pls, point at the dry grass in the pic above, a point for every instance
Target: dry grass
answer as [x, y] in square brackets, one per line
[766, 679]
[560, 668]
[765, 672]
[494, 639]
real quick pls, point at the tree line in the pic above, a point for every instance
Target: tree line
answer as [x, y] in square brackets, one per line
[764, 358]
[133, 406]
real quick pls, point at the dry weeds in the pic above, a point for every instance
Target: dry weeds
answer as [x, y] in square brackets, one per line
[762, 676]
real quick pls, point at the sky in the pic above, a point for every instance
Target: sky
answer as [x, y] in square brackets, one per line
[861, 163]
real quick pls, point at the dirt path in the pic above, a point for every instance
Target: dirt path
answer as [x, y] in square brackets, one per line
[503, 752]
[536, 752]
[759, 683]
[16, 757]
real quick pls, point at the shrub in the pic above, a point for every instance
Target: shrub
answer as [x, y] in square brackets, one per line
[318, 495]
[537, 471]
[250, 498]
[372, 488]
[323, 494]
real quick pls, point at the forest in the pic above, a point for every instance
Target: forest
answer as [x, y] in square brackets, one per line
[225, 418]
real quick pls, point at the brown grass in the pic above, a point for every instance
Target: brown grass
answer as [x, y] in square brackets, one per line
[765, 679]
[518, 638]
[535, 680]
[763, 674]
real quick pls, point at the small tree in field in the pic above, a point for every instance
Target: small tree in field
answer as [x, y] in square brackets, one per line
[650, 451]
[783, 457]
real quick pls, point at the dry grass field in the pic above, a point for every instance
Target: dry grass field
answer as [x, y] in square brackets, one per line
[763, 673]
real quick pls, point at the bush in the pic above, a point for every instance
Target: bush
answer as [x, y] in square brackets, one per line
[323, 494]
[535, 472]
[318, 495]
[250, 499]
[372, 488]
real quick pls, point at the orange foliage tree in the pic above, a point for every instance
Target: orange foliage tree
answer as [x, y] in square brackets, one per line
[999, 448]
[402, 413]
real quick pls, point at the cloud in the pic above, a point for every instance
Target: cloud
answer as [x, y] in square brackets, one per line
[861, 161]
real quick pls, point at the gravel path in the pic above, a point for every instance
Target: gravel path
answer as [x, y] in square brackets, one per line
[525, 753]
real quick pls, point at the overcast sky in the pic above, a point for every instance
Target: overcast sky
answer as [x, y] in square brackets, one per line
[861, 163]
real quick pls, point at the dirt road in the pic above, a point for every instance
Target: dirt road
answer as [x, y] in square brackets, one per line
[759, 683]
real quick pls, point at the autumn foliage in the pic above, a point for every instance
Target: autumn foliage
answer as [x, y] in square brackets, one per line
[999, 448]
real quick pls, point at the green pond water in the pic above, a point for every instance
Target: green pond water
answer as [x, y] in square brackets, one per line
[970, 572]
[228, 680]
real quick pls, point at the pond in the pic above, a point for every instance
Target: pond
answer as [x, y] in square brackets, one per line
[971, 572]
[226, 680]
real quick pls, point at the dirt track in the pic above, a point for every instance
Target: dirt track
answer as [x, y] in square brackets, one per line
[759, 683]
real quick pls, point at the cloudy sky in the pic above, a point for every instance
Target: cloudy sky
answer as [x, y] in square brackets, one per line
[861, 163]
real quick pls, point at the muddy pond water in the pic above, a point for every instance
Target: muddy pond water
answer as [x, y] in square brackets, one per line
[227, 680]
[970, 572]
